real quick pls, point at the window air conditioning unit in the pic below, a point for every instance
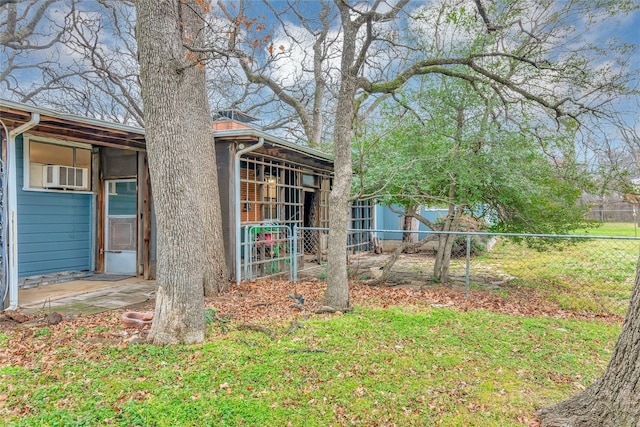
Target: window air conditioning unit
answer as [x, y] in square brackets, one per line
[66, 177]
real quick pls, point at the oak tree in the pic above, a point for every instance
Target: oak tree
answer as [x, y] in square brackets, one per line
[182, 164]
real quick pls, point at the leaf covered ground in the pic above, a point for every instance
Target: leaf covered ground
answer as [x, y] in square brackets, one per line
[403, 357]
[266, 303]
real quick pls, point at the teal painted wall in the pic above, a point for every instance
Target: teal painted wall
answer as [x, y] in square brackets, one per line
[54, 228]
[388, 220]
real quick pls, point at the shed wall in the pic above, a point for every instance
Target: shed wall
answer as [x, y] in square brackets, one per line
[388, 220]
[226, 185]
[54, 228]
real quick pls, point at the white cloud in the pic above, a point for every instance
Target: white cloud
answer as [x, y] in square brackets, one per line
[292, 57]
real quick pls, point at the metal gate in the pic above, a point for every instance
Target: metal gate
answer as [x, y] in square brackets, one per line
[267, 251]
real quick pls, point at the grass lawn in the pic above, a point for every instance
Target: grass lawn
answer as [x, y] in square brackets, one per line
[627, 229]
[398, 359]
[594, 275]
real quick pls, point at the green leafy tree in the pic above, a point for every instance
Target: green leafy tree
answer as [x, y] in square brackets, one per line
[455, 149]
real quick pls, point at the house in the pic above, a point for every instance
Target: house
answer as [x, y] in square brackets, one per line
[79, 199]
[268, 188]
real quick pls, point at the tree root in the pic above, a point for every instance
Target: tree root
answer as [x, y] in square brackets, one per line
[307, 350]
[589, 409]
[327, 309]
[294, 327]
[257, 328]
[377, 283]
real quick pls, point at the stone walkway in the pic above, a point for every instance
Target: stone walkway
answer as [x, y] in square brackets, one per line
[86, 297]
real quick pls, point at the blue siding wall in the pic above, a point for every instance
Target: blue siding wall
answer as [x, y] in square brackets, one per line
[54, 228]
[388, 220]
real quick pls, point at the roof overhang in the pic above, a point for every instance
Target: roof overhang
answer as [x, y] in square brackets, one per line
[54, 124]
[69, 127]
[278, 147]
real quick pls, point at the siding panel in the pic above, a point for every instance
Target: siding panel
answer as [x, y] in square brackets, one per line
[35, 238]
[47, 267]
[57, 246]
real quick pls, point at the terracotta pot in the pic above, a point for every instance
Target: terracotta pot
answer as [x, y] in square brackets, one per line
[135, 318]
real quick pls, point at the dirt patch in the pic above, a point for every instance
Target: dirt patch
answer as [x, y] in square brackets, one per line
[413, 270]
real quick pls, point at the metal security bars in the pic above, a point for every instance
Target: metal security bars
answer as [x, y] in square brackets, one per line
[273, 191]
[276, 195]
[269, 192]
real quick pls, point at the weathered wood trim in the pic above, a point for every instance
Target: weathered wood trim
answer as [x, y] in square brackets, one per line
[226, 189]
[98, 186]
[67, 128]
[144, 215]
[139, 215]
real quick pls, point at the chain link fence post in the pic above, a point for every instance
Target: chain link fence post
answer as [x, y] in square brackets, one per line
[467, 272]
[294, 254]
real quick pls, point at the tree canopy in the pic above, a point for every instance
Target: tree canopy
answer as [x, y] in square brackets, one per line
[523, 179]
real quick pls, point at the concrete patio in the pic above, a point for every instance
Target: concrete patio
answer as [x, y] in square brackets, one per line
[86, 296]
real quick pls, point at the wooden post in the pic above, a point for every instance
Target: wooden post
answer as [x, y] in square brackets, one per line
[144, 217]
[97, 183]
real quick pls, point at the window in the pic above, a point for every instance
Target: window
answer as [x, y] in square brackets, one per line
[270, 198]
[308, 180]
[56, 165]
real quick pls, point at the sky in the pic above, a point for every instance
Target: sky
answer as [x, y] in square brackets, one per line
[628, 29]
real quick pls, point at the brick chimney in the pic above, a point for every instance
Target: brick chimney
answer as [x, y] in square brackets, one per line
[232, 119]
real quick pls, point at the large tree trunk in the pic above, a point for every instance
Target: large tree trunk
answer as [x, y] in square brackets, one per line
[171, 82]
[215, 279]
[614, 399]
[337, 293]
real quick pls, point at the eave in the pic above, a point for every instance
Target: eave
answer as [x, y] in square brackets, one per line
[72, 128]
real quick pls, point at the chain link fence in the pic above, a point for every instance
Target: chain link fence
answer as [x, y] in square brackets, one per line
[589, 274]
[313, 242]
